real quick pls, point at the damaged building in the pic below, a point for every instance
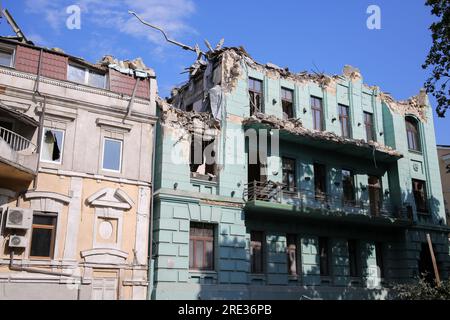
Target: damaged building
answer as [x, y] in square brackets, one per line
[76, 147]
[345, 201]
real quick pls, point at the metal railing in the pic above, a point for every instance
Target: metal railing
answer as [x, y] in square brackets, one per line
[270, 191]
[15, 141]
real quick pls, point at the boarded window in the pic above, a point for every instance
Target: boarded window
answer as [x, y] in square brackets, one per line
[317, 113]
[348, 187]
[289, 175]
[320, 181]
[292, 254]
[256, 95]
[201, 246]
[324, 256]
[370, 130]
[52, 145]
[112, 154]
[287, 102]
[344, 118]
[420, 195]
[43, 235]
[412, 133]
[257, 251]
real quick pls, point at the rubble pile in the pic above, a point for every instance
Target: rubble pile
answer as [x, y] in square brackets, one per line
[416, 105]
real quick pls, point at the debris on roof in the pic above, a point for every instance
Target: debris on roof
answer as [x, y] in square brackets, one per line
[416, 105]
[295, 127]
[134, 67]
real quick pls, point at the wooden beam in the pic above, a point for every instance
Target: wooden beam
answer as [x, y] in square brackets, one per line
[433, 259]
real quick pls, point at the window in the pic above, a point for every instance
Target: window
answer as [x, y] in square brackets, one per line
[370, 130]
[203, 157]
[292, 256]
[256, 95]
[317, 113]
[324, 256]
[43, 235]
[379, 258]
[420, 195]
[412, 133]
[201, 247]
[344, 118]
[85, 76]
[287, 103]
[348, 186]
[112, 155]
[52, 145]
[7, 57]
[257, 251]
[353, 258]
[289, 176]
[320, 181]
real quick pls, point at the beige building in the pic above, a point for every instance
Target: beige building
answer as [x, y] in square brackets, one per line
[76, 146]
[444, 166]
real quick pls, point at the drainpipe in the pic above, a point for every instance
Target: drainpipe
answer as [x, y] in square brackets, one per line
[150, 249]
[41, 119]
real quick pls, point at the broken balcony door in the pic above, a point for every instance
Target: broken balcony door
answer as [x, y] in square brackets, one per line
[375, 197]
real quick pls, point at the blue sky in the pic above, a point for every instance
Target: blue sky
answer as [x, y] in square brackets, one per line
[301, 35]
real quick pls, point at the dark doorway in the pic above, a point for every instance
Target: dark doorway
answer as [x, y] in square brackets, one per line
[375, 197]
[426, 264]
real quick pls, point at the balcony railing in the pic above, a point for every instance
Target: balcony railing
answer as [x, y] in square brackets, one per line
[15, 141]
[304, 199]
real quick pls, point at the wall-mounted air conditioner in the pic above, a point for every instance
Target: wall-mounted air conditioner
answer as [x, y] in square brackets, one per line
[19, 218]
[17, 241]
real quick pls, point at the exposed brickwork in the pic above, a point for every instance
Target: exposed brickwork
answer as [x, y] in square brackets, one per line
[124, 84]
[27, 59]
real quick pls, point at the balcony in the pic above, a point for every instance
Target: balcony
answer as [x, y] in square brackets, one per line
[18, 158]
[274, 198]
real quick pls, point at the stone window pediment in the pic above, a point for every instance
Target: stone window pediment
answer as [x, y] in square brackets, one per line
[111, 198]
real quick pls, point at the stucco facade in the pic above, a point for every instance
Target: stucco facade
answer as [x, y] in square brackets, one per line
[98, 199]
[255, 220]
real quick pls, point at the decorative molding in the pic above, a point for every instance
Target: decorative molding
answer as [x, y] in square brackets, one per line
[48, 195]
[57, 113]
[104, 255]
[111, 198]
[119, 125]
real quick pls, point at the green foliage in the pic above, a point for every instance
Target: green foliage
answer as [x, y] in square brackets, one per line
[439, 56]
[422, 290]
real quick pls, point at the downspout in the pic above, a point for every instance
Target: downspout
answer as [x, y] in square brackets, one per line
[41, 119]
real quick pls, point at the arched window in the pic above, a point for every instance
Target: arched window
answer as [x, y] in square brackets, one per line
[412, 133]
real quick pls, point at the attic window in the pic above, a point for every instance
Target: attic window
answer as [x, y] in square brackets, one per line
[86, 76]
[6, 57]
[203, 158]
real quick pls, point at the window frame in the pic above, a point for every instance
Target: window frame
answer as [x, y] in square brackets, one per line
[293, 171]
[45, 227]
[251, 92]
[291, 102]
[353, 184]
[369, 124]
[13, 51]
[121, 154]
[63, 140]
[380, 259]
[347, 118]
[262, 268]
[422, 210]
[87, 72]
[323, 170]
[415, 134]
[354, 263]
[204, 239]
[320, 110]
[295, 242]
[324, 243]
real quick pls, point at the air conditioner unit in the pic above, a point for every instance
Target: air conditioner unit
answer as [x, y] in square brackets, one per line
[17, 242]
[18, 218]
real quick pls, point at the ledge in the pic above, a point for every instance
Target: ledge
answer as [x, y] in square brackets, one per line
[48, 195]
[108, 123]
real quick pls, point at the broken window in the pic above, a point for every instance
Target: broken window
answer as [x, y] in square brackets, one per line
[420, 195]
[292, 255]
[6, 57]
[289, 176]
[112, 154]
[287, 102]
[201, 246]
[256, 95]
[85, 76]
[43, 235]
[353, 258]
[324, 256]
[344, 118]
[317, 113]
[257, 252]
[412, 132]
[370, 130]
[52, 145]
[203, 157]
[320, 181]
[348, 186]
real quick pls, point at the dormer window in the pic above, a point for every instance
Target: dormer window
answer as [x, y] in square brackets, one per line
[6, 57]
[412, 133]
[86, 76]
